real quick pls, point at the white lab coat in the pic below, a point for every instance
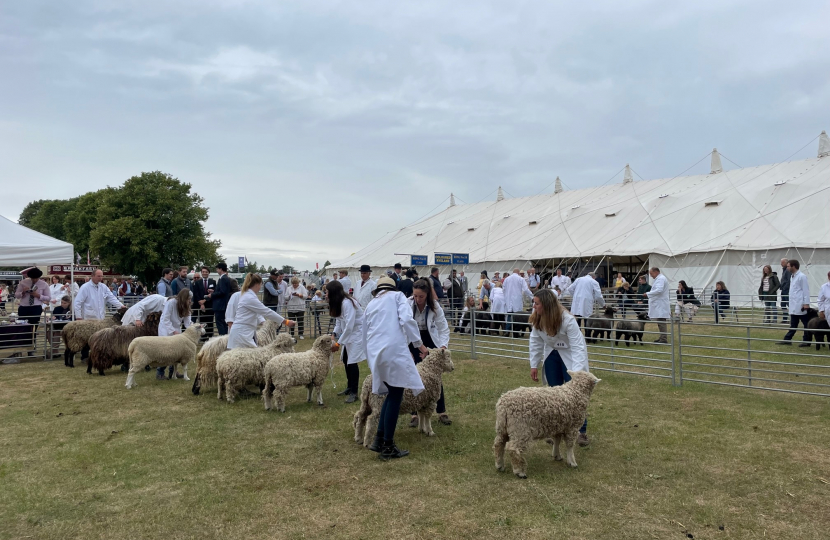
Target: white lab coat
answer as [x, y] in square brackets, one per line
[824, 300]
[230, 311]
[55, 294]
[348, 329]
[388, 329]
[569, 341]
[585, 292]
[659, 303]
[799, 293]
[437, 325]
[346, 282]
[92, 300]
[563, 281]
[139, 312]
[497, 303]
[363, 293]
[248, 310]
[514, 287]
[171, 323]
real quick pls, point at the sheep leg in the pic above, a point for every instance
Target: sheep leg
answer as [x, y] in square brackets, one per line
[267, 394]
[570, 440]
[130, 379]
[184, 368]
[556, 454]
[360, 420]
[319, 395]
[220, 383]
[425, 422]
[371, 427]
[498, 450]
[516, 450]
[281, 399]
[197, 384]
[230, 391]
[310, 388]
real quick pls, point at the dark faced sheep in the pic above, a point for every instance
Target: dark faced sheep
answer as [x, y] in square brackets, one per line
[600, 327]
[76, 334]
[628, 329]
[110, 346]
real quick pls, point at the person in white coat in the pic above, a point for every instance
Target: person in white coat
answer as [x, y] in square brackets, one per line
[515, 288]
[230, 311]
[55, 292]
[435, 334]
[345, 281]
[584, 292]
[93, 297]
[556, 344]
[799, 304]
[388, 329]
[295, 296]
[348, 332]
[365, 287]
[243, 332]
[659, 303]
[498, 306]
[563, 281]
[174, 314]
[137, 314]
[824, 300]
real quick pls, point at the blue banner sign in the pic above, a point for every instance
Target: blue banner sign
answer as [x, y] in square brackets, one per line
[443, 258]
[241, 263]
[419, 260]
[461, 258]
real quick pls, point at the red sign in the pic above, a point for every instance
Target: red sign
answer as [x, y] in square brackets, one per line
[79, 270]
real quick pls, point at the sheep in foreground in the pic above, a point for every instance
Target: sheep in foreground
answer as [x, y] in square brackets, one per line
[628, 329]
[163, 351]
[217, 346]
[527, 414]
[819, 329]
[76, 334]
[600, 327]
[238, 368]
[366, 419]
[307, 369]
[110, 346]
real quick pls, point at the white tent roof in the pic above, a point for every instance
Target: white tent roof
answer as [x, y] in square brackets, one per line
[22, 246]
[753, 208]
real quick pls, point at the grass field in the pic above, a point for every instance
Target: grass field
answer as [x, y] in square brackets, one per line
[82, 457]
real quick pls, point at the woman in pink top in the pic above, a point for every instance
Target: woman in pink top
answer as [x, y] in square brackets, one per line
[32, 294]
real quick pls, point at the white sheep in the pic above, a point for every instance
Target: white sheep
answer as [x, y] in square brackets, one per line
[308, 369]
[431, 368]
[526, 414]
[163, 351]
[217, 346]
[238, 368]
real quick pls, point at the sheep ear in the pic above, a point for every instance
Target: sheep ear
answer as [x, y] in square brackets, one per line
[596, 381]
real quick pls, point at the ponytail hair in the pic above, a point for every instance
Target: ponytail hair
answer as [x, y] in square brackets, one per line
[251, 280]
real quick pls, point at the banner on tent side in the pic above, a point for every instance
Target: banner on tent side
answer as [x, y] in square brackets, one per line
[452, 258]
[419, 260]
[79, 270]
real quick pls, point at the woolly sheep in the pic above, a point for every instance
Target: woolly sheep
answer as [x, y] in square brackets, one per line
[307, 369]
[238, 368]
[600, 327]
[76, 334]
[110, 346]
[366, 419]
[628, 329]
[217, 346]
[162, 351]
[526, 414]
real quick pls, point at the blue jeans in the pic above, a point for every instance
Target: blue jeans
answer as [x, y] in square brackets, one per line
[770, 313]
[557, 374]
[389, 413]
[160, 371]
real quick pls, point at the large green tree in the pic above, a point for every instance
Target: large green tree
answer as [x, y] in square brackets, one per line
[81, 219]
[47, 216]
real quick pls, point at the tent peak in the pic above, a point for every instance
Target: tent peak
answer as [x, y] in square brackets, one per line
[500, 195]
[558, 187]
[716, 166]
[627, 178]
[452, 199]
[823, 145]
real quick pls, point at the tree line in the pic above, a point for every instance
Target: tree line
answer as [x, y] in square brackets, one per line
[151, 222]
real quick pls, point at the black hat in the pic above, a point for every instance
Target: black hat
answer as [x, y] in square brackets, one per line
[275, 272]
[34, 273]
[398, 265]
[365, 268]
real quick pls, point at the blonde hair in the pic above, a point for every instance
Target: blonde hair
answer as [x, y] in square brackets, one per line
[550, 321]
[470, 302]
[251, 280]
[295, 281]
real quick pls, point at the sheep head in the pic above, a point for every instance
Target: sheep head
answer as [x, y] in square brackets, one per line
[583, 379]
[323, 343]
[441, 357]
[643, 316]
[118, 315]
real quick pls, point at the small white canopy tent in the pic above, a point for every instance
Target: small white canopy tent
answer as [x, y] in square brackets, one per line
[20, 246]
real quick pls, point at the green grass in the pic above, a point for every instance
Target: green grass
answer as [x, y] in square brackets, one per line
[82, 457]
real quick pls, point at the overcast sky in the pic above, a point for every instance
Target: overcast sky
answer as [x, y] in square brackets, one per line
[312, 128]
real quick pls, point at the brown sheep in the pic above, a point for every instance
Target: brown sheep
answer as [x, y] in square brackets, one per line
[76, 334]
[109, 346]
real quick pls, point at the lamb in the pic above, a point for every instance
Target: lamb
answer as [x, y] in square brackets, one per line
[527, 414]
[307, 369]
[631, 329]
[217, 346]
[109, 346]
[819, 329]
[601, 326]
[238, 368]
[163, 351]
[76, 334]
[366, 419]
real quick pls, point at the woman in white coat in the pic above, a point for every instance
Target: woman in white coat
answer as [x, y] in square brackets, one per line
[498, 306]
[174, 314]
[348, 331]
[388, 329]
[243, 332]
[557, 343]
[435, 334]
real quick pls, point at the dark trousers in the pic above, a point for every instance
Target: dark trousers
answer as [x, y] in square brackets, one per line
[718, 312]
[221, 325]
[299, 318]
[794, 320]
[206, 318]
[441, 407]
[557, 374]
[389, 413]
[30, 314]
[352, 373]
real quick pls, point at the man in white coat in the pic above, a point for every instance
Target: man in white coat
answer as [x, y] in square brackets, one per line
[515, 287]
[563, 281]
[345, 281]
[659, 303]
[137, 314]
[824, 300]
[799, 304]
[584, 292]
[363, 289]
[93, 297]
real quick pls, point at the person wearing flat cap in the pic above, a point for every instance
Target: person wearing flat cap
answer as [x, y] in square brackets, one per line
[389, 328]
[364, 288]
[32, 294]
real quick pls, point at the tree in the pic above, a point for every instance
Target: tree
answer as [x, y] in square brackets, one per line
[82, 219]
[151, 222]
[288, 269]
[47, 216]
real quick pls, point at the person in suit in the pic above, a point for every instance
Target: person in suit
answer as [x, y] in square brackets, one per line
[203, 285]
[219, 298]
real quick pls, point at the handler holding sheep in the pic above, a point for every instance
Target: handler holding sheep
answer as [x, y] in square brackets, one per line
[388, 329]
[349, 333]
[174, 314]
[243, 331]
[557, 343]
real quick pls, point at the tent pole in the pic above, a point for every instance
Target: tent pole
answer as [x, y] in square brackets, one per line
[72, 288]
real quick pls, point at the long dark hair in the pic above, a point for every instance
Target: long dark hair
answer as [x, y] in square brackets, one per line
[182, 300]
[684, 286]
[337, 294]
[426, 286]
